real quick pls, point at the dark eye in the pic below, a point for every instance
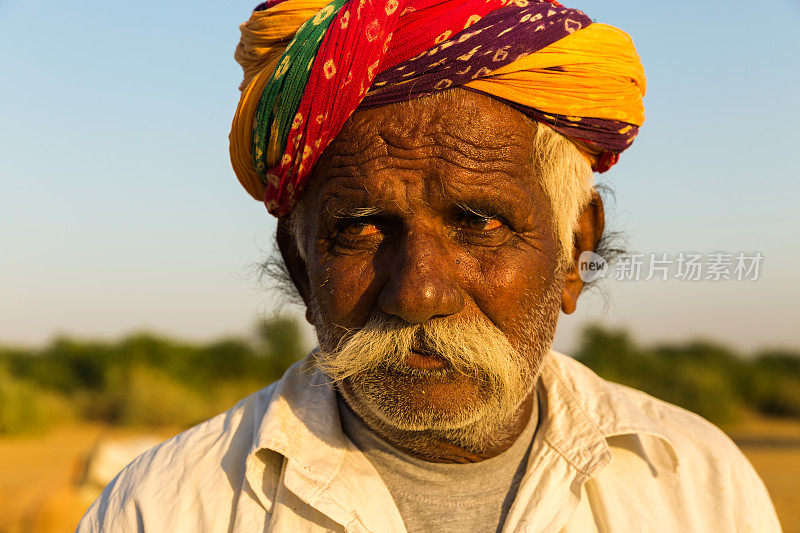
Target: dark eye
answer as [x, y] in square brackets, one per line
[359, 229]
[479, 223]
[357, 234]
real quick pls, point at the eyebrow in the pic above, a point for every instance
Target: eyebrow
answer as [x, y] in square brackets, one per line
[486, 207]
[355, 212]
[348, 203]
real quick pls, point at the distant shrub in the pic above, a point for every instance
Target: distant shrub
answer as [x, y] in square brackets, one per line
[702, 377]
[142, 379]
[773, 384]
[712, 395]
[150, 397]
[281, 345]
[25, 407]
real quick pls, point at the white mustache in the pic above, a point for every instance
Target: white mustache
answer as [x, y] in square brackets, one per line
[474, 347]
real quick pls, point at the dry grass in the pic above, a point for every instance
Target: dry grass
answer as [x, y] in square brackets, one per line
[773, 447]
[780, 470]
[38, 491]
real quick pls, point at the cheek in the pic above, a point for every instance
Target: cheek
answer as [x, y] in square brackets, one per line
[346, 288]
[506, 285]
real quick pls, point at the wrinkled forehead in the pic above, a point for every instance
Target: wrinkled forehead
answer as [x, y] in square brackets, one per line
[457, 141]
[468, 116]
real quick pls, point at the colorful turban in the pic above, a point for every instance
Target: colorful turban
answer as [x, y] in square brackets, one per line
[309, 65]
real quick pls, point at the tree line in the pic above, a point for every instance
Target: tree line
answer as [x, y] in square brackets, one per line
[149, 380]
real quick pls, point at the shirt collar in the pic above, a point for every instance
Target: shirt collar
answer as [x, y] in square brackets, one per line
[581, 399]
[301, 423]
[322, 467]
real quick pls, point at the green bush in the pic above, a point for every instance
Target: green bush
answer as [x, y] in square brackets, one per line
[773, 384]
[25, 407]
[702, 377]
[141, 380]
[149, 397]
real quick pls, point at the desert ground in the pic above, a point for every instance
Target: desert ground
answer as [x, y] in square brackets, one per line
[43, 485]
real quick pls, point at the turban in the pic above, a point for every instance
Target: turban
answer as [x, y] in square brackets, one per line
[309, 65]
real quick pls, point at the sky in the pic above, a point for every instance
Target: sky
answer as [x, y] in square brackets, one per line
[119, 210]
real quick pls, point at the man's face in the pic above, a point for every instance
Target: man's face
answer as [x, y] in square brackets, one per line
[426, 218]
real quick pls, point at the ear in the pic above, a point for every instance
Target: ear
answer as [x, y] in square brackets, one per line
[294, 263]
[588, 231]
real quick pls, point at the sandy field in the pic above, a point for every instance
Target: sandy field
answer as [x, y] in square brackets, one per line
[773, 447]
[39, 475]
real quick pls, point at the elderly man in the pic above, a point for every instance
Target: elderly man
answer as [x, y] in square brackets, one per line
[430, 162]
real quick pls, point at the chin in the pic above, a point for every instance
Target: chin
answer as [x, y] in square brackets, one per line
[420, 400]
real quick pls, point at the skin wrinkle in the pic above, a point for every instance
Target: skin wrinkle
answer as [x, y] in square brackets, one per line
[466, 153]
[470, 149]
[410, 160]
[416, 262]
[433, 146]
[473, 150]
[467, 142]
[363, 192]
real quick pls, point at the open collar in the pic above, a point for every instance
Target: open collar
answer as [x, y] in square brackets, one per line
[322, 467]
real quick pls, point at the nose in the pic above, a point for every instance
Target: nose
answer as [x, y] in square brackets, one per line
[422, 283]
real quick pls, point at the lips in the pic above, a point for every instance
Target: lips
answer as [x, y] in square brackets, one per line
[425, 360]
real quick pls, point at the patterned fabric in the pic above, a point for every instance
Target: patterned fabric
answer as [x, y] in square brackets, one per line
[500, 38]
[273, 121]
[301, 85]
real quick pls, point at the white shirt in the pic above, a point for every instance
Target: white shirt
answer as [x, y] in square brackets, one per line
[604, 458]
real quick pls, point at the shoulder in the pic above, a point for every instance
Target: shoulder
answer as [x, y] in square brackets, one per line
[619, 409]
[695, 461]
[174, 478]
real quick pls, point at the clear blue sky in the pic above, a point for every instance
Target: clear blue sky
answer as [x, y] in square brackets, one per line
[119, 209]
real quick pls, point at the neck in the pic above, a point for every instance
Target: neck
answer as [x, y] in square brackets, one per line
[454, 446]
